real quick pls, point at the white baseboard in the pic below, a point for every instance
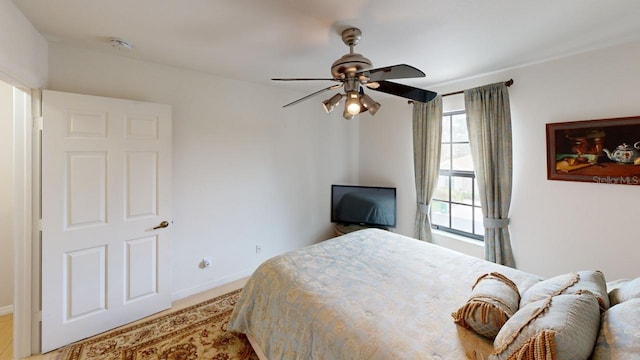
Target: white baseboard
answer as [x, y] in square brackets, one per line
[210, 285]
[5, 310]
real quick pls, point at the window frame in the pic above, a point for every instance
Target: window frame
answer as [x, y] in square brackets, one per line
[450, 175]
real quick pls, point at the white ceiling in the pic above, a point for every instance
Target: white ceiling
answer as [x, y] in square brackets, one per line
[255, 40]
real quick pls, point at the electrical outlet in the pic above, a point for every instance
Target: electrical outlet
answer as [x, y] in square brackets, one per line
[205, 263]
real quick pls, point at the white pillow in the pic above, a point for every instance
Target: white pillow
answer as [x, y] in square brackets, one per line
[563, 327]
[625, 291]
[571, 283]
[619, 337]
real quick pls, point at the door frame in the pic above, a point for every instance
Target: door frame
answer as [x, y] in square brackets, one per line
[23, 197]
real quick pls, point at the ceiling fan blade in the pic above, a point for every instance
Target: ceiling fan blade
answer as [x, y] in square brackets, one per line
[313, 94]
[304, 79]
[405, 91]
[401, 71]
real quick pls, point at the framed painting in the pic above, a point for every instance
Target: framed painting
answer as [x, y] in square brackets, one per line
[604, 151]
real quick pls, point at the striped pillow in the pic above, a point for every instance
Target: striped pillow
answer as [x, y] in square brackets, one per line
[590, 280]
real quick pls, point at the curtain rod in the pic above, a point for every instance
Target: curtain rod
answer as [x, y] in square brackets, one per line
[506, 83]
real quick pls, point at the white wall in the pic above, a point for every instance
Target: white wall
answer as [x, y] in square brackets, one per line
[245, 170]
[556, 226]
[23, 51]
[385, 141]
[23, 63]
[6, 197]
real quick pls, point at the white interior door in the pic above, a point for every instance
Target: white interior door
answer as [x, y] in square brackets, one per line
[106, 187]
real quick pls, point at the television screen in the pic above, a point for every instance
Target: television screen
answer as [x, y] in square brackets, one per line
[363, 205]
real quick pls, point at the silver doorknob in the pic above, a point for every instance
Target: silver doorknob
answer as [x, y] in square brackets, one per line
[163, 224]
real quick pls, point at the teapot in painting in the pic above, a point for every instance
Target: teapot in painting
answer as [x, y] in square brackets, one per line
[625, 154]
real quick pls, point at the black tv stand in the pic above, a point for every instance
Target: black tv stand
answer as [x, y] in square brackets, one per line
[342, 229]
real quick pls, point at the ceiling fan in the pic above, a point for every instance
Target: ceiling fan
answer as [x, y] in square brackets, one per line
[353, 72]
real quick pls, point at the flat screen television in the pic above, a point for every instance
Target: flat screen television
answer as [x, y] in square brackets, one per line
[363, 205]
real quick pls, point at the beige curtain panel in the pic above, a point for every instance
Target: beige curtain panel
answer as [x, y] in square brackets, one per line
[489, 124]
[427, 134]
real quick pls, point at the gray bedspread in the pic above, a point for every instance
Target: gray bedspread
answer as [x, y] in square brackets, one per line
[370, 294]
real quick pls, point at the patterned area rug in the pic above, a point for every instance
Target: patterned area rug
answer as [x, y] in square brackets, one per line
[197, 332]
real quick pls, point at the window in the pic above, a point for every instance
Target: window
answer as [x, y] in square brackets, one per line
[455, 206]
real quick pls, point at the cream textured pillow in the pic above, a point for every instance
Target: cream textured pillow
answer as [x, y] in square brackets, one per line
[571, 283]
[619, 337]
[623, 292]
[494, 299]
[562, 327]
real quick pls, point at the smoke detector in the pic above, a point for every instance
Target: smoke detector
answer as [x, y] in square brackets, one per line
[120, 44]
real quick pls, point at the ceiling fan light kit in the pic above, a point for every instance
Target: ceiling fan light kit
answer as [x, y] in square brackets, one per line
[353, 103]
[332, 102]
[369, 104]
[355, 73]
[346, 114]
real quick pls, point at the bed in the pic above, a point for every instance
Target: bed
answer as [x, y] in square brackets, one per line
[370, 294]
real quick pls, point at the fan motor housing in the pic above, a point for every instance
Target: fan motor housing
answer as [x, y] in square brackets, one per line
[350, 64]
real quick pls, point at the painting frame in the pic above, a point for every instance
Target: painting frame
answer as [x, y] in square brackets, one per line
[602, 151]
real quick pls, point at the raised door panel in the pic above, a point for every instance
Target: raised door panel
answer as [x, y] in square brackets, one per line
[139, 127]
[85, 283]
[142, 184]
[86, 124]
[86, 189]
[142, 267]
